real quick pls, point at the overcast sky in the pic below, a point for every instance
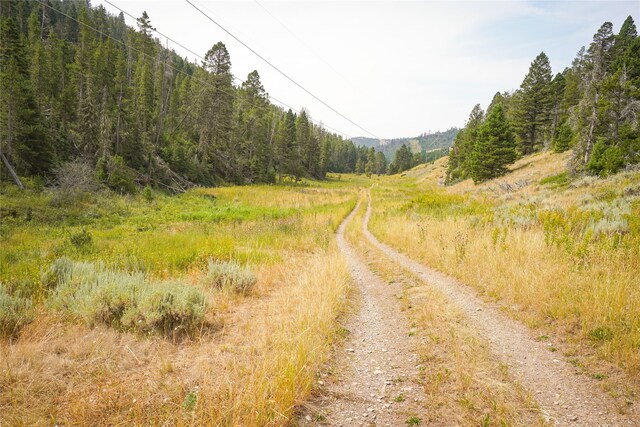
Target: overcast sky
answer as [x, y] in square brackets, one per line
[396, 68]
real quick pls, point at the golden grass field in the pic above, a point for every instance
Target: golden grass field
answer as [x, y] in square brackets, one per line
[253, 358]
[560, 253]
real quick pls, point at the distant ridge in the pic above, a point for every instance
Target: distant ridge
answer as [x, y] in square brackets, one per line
[423, 143]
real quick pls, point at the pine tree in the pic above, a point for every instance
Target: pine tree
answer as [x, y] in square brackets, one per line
[562, 138]
[216, 153]
[495, 147]
[303, 141]
[592, 68]
[460, 154]
[380, 163]
[325, 153]
[313, 156]
[558, 114]
[253, 128]
[370, 165]
[532, 114]
[622, 42]
[22, 135]
[403, 160]
[286, 151]
[498, 98]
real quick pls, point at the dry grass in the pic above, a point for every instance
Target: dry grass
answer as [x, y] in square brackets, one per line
[252, 368]
[463, 382]
[252, 372]
[565, 258]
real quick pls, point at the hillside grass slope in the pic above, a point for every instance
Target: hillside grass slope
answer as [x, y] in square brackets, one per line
[560, 253]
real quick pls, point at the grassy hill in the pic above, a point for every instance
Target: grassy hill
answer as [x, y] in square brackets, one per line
[423, 143]
[560, 253]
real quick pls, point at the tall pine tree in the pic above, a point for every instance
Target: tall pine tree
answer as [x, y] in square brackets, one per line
[495, 147]
[534, 103]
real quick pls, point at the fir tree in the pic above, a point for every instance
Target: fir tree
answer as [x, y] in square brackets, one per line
[532, 114]
[215, 150]
[22, 134]
[460, 154]
[380, 163]
[286, 152]
[622, 42]
[253, 128]
[495, 147]
[403, 160]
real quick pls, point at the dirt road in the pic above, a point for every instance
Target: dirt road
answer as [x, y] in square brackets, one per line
[374, 381]
[375, 375]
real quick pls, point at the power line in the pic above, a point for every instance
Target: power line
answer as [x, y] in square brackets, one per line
[302, 42]
[177, 69]
[233, 76]
[280, 71]
[155, 30]
[163, 35]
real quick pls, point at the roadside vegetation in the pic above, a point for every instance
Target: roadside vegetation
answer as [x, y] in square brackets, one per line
[214, 306]
[560, 253]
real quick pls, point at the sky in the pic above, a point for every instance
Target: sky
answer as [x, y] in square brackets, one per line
[393, 68]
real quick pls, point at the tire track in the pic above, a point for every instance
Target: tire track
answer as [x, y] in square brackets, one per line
[565, 397]
[376, 373]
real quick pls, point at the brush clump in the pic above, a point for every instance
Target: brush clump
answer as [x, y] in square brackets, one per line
[122, 300]
[230, 275]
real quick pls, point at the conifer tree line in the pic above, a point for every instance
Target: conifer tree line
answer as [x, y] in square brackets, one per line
[78, 84]
[592, 107]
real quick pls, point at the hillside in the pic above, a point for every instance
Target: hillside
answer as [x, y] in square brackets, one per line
[534, 241]
[86, 86]
[423, 143]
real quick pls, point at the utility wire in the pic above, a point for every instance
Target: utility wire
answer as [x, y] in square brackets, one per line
[302, 42]
[177, 69]
[233, 76]
[280, 71]
[155, 30]
[162, 35]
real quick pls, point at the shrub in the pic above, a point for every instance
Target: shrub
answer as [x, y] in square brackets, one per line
[76, 176]
[81, 240]
[601, 333]
[125, 301]
[15, 312]
[60, 270]
[118, 176]
[559, 180]
[562, 140]
[147, 194]
[170, 308]
[190, 401]
[605, 160]
[230, 275]
[414, 421]
[610, 226]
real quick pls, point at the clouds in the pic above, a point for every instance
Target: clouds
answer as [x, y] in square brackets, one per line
[397, 68]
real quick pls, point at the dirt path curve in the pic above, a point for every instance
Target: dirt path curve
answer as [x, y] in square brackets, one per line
[374, 380]
[565, 397]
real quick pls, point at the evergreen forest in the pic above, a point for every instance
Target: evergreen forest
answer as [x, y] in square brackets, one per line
[591, 107]
[83, 91]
